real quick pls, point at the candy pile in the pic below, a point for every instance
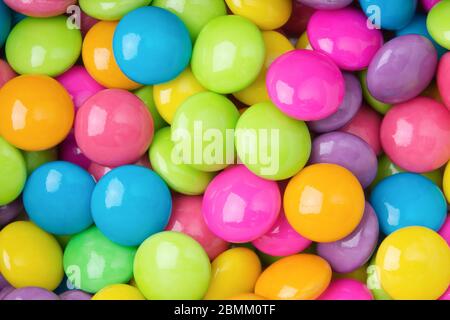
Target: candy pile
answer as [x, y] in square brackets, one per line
[224, 149]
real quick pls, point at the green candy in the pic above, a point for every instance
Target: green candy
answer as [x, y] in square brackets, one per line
[438, 23]
[35, 159]
[379, 106]
[43, 46]
[92, 261]
[194, 13]
[111, 10]
[13, 172]
[172, 266]
[228, 54]
[146, 95]
[373, 282]
[181, 178]
[270, 144]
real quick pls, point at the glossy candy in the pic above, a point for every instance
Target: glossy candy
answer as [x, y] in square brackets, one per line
[171, 265]
[438, 23]
[6, 72]
[305, 85]
[408, 199]
[113, 127]
[346, 289]
[36, 112]
[31, 293]
[389, 14]
[112, 9]
[40, 8]
[146, 95]
[326, 4]
[118, 292]
[299, 18]
[429, 4]
[9, 212]
[444, 232]
[446, 181]
[74, 295]
[443, 79]
[35, 159]
[414, 264]
[377, 105]
[124, 209]
[13, 172]
[5, 22]
[151, 45]
[70, 151]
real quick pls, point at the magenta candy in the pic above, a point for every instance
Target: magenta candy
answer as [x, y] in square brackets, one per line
[344, 36]
[75, 295]
[366, 125]
[113, 128]
[443, 79]
[298, 21]
[346, 289]
[87, 22]
[326, 4]
[355, 250]
[445, 230]
[347, 110]
[239, 206]
[429, 4]
[79, 84]
[187, 218]
[40, 8]
[31, 293]
[305, 85]
[6, 72]
[416, 135]
[402, 69]
[70, 152]
[10, 211]
[446, 295]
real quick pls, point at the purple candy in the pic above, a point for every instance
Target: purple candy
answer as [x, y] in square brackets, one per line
[5, 291]
[75, 295]
[402, 69]
[326, 4]
[355, 250]
[10, 211]
[31, 293]
[347, 110]
[70, 152]
[348, 151]
[3, 282]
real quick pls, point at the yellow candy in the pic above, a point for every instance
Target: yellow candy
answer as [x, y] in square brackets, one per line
[119, 292]
[170, 95]
[303, 42]
[414, 264]
[446, 182]
[30, 256]
[276, 44]
[234, 272]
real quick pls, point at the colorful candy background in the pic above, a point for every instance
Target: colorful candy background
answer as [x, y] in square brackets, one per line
[327, 130]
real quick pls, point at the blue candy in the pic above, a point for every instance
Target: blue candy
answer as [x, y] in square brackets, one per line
[391, 14]
[5, 22]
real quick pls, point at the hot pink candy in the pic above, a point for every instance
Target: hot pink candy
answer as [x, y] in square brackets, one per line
[345, 37]
[40, 8]
[429, 4]
[443, 79]
[305, 85]
[239, 206]
[6, 72]
[446, 295]
[445, 230]
[113, 128]
[346, 289]
[416, 135]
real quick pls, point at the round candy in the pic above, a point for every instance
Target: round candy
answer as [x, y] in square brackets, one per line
[112, 9]
[246, 296]
[113, 128]
[408, 199]
[57, 198]
[347, 110]
[36, 112]
[353, 251]
[446, 295]
[348, 151]
[239, 206]
[74, 295]
[194, 13]
[324, 202]
[402, 69]
[9, 212]
[446, 181]
[43, 46]
[444, 232]
[303, 42]
[201, 131]
[266, 14]
[345, 37]
[429, 4]
[416, 135]
[6, 73]
[305, 85]
[79, 84]
[152, 45]
[40, 8]
[13, 172]
[98, 57]
[31, 293]
[275, 149]
[92, 261]
[30, 256]
[87, 22]
[377, 105]
[389, 14]
[170, 95]
[228, 54]
[299, 18]
[326, 4]
[414, 263]
[305, 275]
[234, 272]
[373, 281]
[438, 23]
[146, 95]
[70, 151]
[118, 292]
[5, 22]
[35, 159]
[98, 171]
[171, 265]
[346, 289]
[123, 208]
[443, 79]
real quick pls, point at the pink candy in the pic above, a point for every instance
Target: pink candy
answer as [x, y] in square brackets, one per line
[6, 72]
[443, 79]
[40, 8]
[346, 289]
[445, 230]
[429, 4]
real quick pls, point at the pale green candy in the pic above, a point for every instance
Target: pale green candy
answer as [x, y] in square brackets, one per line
[438, 23]
[111, 10]
[146, 95]
[13, 172]
[373, 282]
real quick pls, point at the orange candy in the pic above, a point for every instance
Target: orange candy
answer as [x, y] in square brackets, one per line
[297, 277]
[247, 296]
[98, 57]
[36, 112]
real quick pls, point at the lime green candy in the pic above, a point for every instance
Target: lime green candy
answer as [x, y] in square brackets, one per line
[203, 131]
[379, 106]
[111, 10]
[373, 282]
[35, 159]
[92, 261]
[172, 266]
[146, 95]
[194, 13]
[438, 23]
[13, 172]
[228, 55]
[180, 177]
[43, 46]
[271, 144]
